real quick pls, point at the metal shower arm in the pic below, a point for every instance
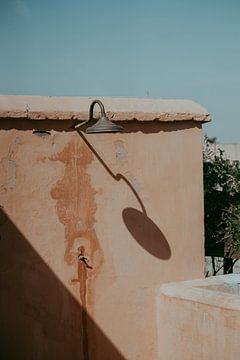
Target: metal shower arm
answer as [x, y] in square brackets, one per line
[103, 113]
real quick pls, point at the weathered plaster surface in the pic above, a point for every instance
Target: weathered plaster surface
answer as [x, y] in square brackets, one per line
[91, 225]
[199, 320]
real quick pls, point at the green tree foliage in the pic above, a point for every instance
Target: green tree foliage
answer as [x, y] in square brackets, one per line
[221, 203]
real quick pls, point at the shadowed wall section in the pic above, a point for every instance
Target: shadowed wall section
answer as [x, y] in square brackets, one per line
[39, 317]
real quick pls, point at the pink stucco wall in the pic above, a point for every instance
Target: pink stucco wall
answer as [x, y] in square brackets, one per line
[130, 204]
[199, 319]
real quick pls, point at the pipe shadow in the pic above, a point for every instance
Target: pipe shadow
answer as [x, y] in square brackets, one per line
[40, 318]
[116, 177]
[140, 226]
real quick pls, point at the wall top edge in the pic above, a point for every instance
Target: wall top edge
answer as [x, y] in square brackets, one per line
[117, 108]
[219, 291]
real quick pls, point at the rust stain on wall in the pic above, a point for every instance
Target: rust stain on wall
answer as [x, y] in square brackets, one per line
[76, 210]
[82, 279]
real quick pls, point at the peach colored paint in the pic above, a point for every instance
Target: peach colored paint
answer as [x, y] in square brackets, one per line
[199, 319]
[91, 225]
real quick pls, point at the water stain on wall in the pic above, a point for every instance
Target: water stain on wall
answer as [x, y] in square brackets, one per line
[9, 166]
[121, 151]
[76, 208]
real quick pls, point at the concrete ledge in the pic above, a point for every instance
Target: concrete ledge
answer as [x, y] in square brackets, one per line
[118, 109]
[210, 291]
[199, 319]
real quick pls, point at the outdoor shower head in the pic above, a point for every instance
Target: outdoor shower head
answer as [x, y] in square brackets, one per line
[103, 125]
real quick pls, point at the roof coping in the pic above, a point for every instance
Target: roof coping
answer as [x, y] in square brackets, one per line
[117, 108]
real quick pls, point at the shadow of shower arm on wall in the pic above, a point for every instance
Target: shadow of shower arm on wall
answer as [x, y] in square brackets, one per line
[116, 177]
[140, 226]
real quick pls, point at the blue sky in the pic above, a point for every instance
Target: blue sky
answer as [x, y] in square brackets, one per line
[184, 49]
